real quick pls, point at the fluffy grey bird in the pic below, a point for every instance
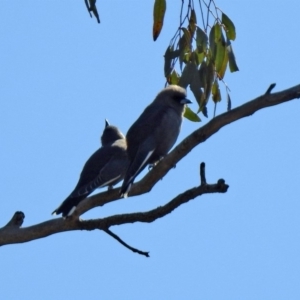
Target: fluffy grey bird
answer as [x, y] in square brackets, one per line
[154, 133]
[106, 167]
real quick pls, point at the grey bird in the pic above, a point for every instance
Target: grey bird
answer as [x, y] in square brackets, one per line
[154, 133]
[106, 167]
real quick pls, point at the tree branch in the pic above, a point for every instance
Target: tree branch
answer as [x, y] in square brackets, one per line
[270, 88]
[16, 221]
[202, 173]
[12, 233]
[189, 143]
[124, 244]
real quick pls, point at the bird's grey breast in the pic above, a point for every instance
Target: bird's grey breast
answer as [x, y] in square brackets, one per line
[168, 132]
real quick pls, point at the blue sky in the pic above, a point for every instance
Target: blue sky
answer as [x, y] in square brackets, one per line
[62, 74]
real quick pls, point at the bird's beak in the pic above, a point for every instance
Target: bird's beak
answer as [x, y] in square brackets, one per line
[106, 123]
[185, 101]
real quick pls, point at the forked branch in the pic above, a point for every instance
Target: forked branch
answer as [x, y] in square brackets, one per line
[12, 233]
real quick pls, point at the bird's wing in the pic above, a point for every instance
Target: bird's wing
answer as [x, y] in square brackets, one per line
[92, 176]
[142, 156]
[145, 140]
[89, 178]
[141, 143]
[146, 125]
[138, 163]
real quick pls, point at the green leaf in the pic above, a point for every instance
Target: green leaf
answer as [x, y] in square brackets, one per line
[168, 61]
[188, 73]
[212, 43]
[174, 78]
[231, 58]
[196, 87]
[216, 94]
[210, 74]
[223, 68]
[169, 56]
[203, 76]
[230, 28]
[190, 115]
[192, 22]
[184, 47]
[217, 45]
[218, 32]
[220, 53]
[174, 53]
[206, 78]
[201, 40]
[199, 57]
[186, 42]
[158, 17]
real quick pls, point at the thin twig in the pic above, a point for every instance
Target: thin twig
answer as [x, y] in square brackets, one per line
[270, 88]
[16, 220]
[109, 232]
[202, 15]
[215, 109]
[202, 173]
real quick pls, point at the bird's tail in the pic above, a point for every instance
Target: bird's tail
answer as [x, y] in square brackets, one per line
[68, 206]
[126, 186]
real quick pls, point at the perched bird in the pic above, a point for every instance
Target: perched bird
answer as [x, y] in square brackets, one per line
[106, 167]
[154, 133]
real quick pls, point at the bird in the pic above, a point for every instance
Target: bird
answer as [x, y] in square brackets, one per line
[154, 133]
[106, 167]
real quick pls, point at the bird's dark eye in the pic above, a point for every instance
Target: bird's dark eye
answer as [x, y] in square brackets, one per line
[178, 98]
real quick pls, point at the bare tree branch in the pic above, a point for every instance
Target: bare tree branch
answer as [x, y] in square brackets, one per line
[202, 173]
[189, 143]
[12, 233]
[270, 88]
[124, 244]
[16, 220]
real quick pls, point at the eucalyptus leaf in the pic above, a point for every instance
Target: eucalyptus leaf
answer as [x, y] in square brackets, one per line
[220, 53]
[174, 78]
[216, 94]
[210, 74]
[190, 115]
[184, 47]
[222, 70]
[230, 28]
[168, 61]
[231, 58]
[192, 22]
[158, 17]
[212, 43]
[201, 40]
[188, 73]
[196, 87]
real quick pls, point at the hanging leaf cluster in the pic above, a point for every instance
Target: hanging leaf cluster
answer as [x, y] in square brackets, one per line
[203, 54]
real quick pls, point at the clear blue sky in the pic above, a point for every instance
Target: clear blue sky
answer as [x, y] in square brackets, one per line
[62, 74]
